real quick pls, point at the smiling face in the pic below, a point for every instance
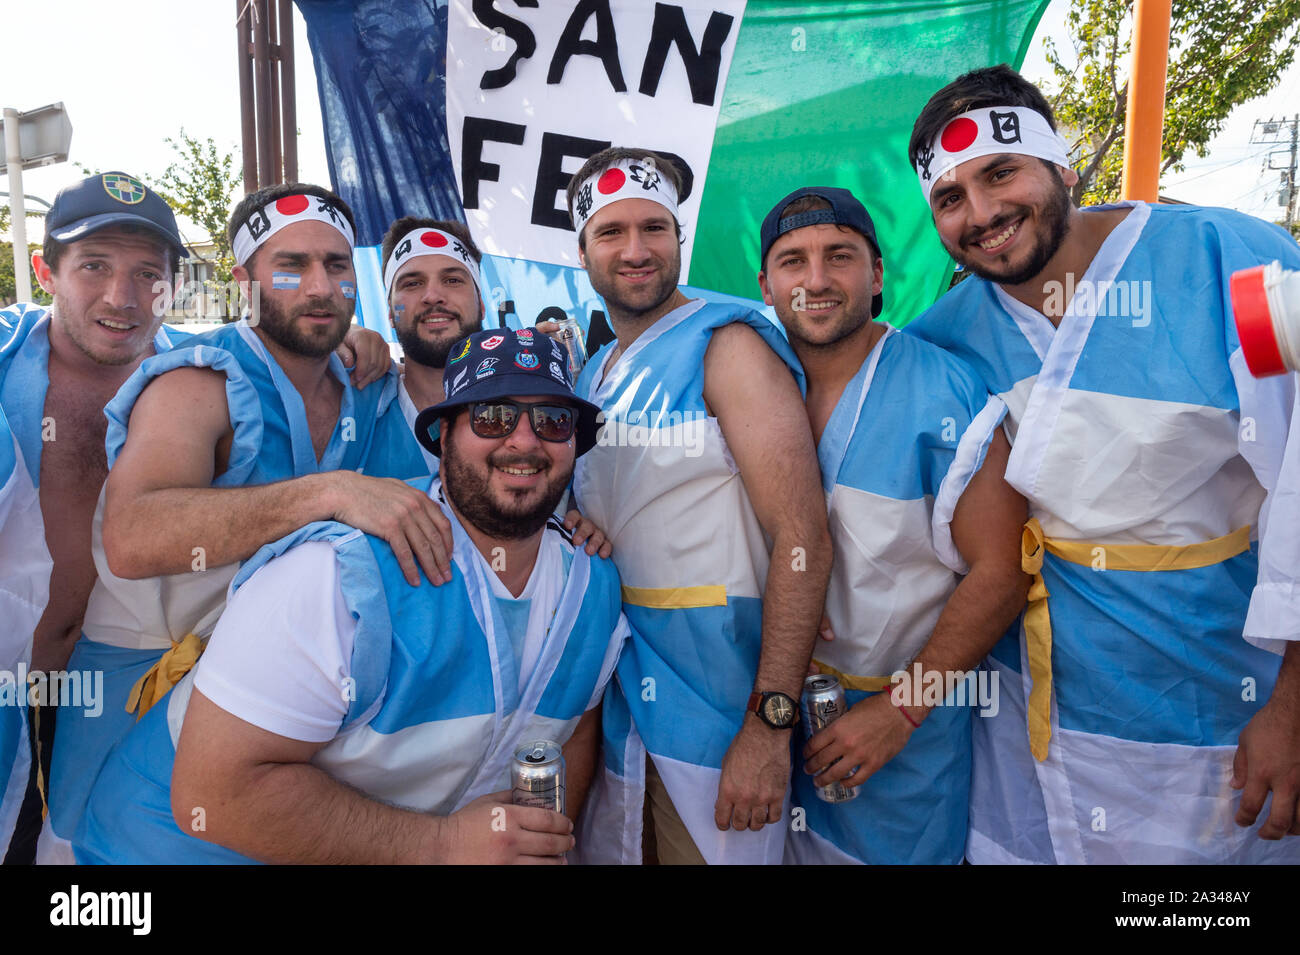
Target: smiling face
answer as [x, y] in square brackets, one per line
[821, 279]
[1003, 217]
[433, 305]
[308, 313]
[110, 292]
[632, 257]
[506, 487]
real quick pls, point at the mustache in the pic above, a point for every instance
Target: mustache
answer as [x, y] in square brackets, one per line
[994, 225]
[321, 305]
[535, 461]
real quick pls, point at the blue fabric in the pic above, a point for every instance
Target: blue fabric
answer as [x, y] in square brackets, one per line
[24, 380]
[394, 450]
[382, 84]
[920, 404]
[912, 811]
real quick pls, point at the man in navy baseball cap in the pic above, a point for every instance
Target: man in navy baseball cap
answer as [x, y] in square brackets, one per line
[111, 249]
[502, 363]
[111, 198]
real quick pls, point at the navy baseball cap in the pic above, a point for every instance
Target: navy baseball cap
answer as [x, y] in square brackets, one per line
[845, 210]
[501, 363]
[111, 198]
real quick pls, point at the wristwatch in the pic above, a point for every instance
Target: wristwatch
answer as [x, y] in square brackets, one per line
[775, 709]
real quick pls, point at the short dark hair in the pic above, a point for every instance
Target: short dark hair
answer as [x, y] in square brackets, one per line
[606, 158]
[407, 223]
[52, 250]
[267, 194]
[992, 86]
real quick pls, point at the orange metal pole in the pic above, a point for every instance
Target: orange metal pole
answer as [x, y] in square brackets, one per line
[1144, 127]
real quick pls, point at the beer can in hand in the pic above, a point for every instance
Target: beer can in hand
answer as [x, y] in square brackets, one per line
[822, 704]
[538, 776]
[569, 335]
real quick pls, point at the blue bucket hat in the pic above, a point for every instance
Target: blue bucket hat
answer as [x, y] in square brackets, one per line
[501, 363]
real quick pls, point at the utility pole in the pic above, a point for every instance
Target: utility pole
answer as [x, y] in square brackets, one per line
[1276, 132]
[269, 121]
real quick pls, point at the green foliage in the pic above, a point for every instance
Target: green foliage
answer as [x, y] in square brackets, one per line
[201, 185]
[8, 287]
[1221, 53]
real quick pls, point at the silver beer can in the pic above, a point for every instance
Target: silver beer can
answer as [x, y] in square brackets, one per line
[822, 704]
[569, 335]
[538, 776]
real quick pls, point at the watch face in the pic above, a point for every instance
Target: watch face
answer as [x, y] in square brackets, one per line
[778, 710]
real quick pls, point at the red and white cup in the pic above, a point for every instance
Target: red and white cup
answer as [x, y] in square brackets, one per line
[1266, 306]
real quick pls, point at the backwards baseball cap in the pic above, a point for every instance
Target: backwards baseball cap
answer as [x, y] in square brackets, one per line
[844, 210]
[499, 363]
[111, 198]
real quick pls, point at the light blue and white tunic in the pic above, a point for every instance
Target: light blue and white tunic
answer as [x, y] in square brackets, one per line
[394, 451]
[25, 562]
[1135, 422]
[693, 559]
[439, 685]
[907, 435]
[130, 624]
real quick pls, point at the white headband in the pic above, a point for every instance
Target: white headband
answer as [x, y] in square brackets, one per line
[626, 179]
[986, 132]
[426, 241]
[285, 211]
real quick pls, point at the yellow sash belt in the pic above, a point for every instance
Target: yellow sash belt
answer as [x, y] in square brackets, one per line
[163, 675]
[1102, 557]
[868, 684]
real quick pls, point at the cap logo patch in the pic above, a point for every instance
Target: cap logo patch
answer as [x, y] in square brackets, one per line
[490, 343]
[462, 353]
[486, 367]
[527, 360]
[124, 188]
[558, 373]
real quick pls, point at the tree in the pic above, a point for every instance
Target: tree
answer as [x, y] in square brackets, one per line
[1221, 53]
[201, 186]
[8, 286]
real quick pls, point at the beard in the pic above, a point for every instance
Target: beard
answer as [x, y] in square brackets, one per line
[432, 354]
[637, 302]
[853, 321]
[280, 326]
[468, 489]
[1054, 225]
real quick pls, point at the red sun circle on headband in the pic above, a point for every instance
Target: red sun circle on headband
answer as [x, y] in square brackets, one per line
[291, 205]
[434, 240]
[959, 134]
[610, 181]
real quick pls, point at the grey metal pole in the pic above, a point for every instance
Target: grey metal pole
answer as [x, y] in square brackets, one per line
[17, 208]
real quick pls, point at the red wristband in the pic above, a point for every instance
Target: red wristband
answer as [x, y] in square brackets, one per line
[902, 709]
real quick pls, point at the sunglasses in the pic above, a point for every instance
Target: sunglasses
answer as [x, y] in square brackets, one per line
[497, 419]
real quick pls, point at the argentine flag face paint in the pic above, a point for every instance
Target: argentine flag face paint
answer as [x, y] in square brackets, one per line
[286, 280]
[349, 290]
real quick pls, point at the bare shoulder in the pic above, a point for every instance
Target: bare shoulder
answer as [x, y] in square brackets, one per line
[188, 390]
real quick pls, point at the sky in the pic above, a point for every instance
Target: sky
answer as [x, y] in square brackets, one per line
[178, 69]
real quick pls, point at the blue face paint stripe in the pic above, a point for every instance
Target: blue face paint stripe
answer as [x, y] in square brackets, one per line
[349, 289]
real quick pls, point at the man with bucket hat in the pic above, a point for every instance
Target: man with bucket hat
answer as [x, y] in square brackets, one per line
[394, 712]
